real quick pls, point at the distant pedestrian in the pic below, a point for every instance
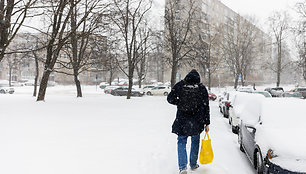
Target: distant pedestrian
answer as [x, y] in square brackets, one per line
[192, 117]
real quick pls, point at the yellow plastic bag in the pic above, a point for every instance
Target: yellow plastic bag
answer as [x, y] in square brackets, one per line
[206, 154]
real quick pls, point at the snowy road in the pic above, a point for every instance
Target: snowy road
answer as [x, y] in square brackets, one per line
[102, 134]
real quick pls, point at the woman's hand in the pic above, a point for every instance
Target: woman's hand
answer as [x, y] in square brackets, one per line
[206, 128]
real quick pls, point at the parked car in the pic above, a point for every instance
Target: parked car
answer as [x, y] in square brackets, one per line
[275, 92]
[102, 85]
[145, 89]
[15, 83]
[292, 94]
[237, 108]
[123, 91]
[245, 89]
[159, 90]
[4, 89]
[109, 89]
[264, 93]
[226, 102]
[274, 143]
[301, 90]
[30, 83]
[212, 96]
[221, 97]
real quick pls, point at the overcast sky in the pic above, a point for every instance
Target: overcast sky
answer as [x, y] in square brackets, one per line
[262, 9]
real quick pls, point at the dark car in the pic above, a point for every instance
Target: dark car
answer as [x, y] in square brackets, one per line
[122, 91]
[212, 96]
[264, 142]
[301, 90]
[292, 95]
[275, 92]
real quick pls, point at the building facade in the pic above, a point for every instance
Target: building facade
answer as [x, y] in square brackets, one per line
[212, 18]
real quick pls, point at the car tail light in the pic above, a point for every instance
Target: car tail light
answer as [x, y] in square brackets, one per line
[110, 90]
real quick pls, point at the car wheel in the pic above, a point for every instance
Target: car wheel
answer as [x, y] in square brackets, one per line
[234, 129]
[240, 142]
[165, 93]
[224, 115]
[115, 94]
[259, 163]
[149, 93]
[2, 91]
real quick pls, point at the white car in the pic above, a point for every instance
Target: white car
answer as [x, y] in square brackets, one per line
[5, 90]
[146, 88]
[159, 90]
[241, 101]
[275, 141]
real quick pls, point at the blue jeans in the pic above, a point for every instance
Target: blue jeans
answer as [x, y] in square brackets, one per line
[182, 153]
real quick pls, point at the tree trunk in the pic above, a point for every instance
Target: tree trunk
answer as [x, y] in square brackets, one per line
[10, 76]
[279, 64]
[236, 82]
[36, 75]
[173, 73]
[130, 76]
[110, 77]
[139, 82]
[242, 79]
[77, 84]
[74, 46]
[209, 79]
[130, 87]
[43, 86]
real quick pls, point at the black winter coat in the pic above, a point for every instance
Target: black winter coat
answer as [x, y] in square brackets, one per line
[188, 125]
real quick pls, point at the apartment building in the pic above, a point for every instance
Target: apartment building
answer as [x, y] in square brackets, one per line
[209, 17]
[19, 67]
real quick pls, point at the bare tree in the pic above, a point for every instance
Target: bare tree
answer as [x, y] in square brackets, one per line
[144, 50]
[158, 56]
[12, 16]
[300, 32]
[279, 25]
[240, 47]
[78, 50]
[179, 19]
[127, 16]
[35, 45]
[59, 13]
[208, 49]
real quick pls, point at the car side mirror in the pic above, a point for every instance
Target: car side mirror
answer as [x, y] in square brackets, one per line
[251, 129]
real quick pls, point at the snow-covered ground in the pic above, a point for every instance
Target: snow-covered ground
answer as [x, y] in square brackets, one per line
[102, 134]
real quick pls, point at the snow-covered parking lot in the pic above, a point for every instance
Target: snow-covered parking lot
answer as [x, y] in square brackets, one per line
[100, 134]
